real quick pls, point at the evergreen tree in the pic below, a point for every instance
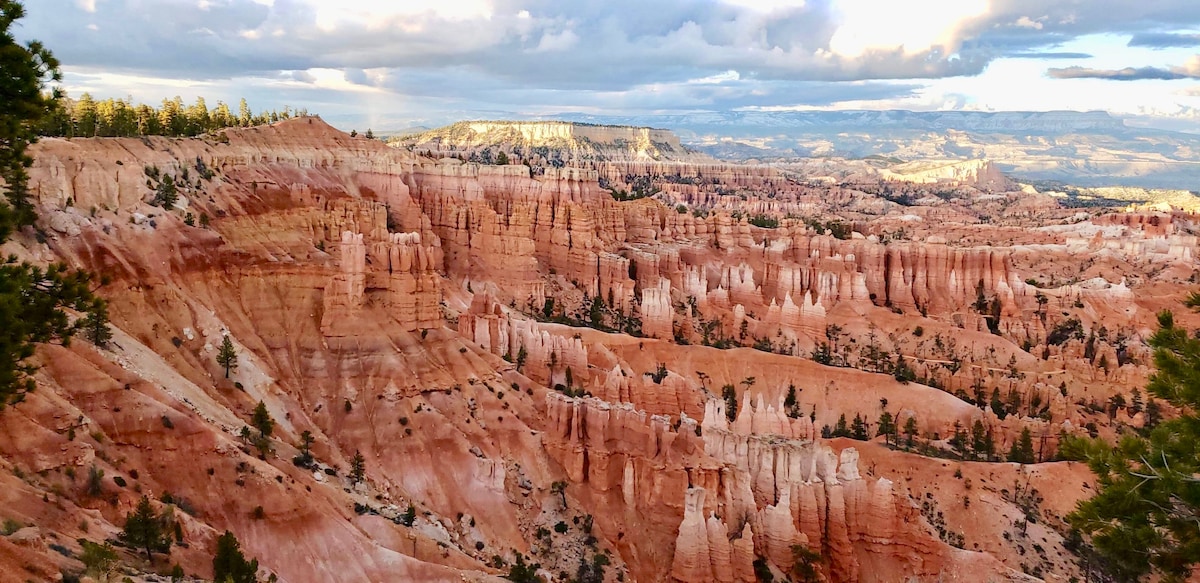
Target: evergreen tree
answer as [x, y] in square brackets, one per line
[230, 565]
[729, 393]
[997, 404]
[560, 488]
[502, 159]
[166, 194]
[31, 298]
[858, 428]
[981, 441]
[1153, 414]
[98, 559]
[840, 430]
[26, 68]
[144, 530]
[790, 404]
[262, 421]
[910, 430]
[409, 516]
[95, 324]
[522, 355]
[227, 356]
[805, 565]
[370, 135]
[1022, 449]
[306, 440]
[1135, 402]
[245, 118]
[1143, 516]
[358, 468]
[958, 441]
[520, 572]
[887, 427]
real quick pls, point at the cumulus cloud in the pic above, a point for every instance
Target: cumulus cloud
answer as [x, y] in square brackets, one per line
[618, 53]
[624, 41]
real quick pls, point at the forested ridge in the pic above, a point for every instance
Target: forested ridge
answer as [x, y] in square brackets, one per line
[87, 117]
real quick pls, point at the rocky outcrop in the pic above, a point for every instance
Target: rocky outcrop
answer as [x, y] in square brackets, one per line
[539, 140]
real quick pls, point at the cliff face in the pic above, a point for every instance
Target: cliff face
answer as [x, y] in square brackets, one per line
[481, 332]
[578, 141]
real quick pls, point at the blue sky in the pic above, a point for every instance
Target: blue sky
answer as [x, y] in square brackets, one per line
[392, 64]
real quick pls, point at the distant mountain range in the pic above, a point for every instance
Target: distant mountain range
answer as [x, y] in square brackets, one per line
[1083, 148]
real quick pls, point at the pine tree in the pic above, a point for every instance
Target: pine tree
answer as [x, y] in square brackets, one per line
[31, 298]
[520, 572]
[790, 405]
[910, 430]
[522, 355]
[840, 430]
[958, 441]
[358, 468]
[167, 193]
[98, 559]
[409, 516]
[245, 118]
[306, 440]
[858, 428]
[262, 421]
[144, 530]
[805, 565]
[95, 324]
[1153, 414]
[1022, 449]
[1143, 516]
[729, 393]
[227, 356]
[981, 441]
[230, 565]
[998, 405]
[1135, 402]
[887, 427]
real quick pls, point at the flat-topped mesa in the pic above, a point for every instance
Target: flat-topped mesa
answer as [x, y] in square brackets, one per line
[979, 174]
[540, 141]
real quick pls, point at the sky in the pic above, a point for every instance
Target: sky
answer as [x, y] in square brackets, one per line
[395, 64]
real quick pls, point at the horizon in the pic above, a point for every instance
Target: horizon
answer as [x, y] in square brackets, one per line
[391, 66]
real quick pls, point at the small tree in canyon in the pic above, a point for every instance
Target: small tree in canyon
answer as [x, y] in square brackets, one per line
[227, 356]
[358, 468]
[145, 530]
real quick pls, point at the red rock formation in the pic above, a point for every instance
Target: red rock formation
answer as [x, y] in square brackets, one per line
[337, 266]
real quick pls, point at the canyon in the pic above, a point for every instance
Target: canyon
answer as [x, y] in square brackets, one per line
[611, 354]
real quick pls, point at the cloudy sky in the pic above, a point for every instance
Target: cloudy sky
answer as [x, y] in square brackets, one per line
[392, 64]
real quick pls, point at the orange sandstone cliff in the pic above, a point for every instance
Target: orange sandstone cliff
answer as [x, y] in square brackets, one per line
[512, 351]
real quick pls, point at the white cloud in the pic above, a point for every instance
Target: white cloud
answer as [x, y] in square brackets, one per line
[1027, 22]
[557, 41]
[766, 5]
[887, 24]
[563, 55]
